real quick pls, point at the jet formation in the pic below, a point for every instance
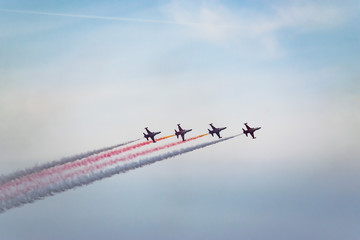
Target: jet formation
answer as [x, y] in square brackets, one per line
[214, 130]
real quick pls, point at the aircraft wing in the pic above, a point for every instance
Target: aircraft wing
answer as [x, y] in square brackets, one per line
[147, 131]
[180, 129]
[183, 137]
[252, 134]
[248, 128]
[152, 138]
[218, 134]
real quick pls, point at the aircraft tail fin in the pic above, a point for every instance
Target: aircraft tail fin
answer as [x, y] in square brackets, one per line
[176, 133]
[245, 132]
[212, 133]
[145, 136]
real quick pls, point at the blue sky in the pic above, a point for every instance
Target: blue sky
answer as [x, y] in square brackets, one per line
[71, 84]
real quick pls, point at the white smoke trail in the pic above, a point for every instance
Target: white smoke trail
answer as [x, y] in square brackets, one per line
[37, 168]
[92, 177]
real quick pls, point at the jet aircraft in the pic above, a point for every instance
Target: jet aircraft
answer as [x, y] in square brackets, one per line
[150, 134]
[181, 132]
[250, 130]
[215, 130]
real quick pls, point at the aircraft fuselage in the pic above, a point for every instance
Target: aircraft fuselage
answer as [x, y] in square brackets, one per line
[250, 130]
[181, 132]
[150, 135]
[215, 130]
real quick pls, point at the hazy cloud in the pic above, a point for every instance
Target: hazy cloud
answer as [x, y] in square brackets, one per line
[221, 24]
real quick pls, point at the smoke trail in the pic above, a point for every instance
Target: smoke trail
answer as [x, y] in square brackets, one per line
[31, 178]
[37, 168]
[137, 154]
[38, 181]
[92, 177]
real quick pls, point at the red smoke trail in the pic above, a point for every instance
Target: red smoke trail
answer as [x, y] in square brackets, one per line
[31, 178]
[128, 157]
[58, 178]
[38, 168]
[83, 180]
[134, 155]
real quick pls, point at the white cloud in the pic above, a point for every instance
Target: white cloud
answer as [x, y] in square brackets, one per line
[308, 17]
[222, 25]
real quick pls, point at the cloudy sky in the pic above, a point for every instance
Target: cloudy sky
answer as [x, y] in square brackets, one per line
[80, 75]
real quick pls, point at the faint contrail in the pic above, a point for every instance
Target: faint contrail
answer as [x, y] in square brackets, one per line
[123, 19]
[92, 177]
[20, 173]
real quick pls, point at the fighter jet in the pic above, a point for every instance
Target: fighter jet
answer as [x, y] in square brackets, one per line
[250, 130]
[150, 134]
[181, 132]
[215, 130]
